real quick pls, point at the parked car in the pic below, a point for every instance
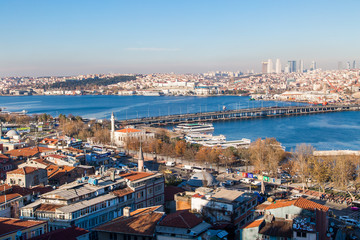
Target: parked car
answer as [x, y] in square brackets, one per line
[282, 188]
[296, 196]
[229, 182]
[256, 183]
[246, 180]
[170, 164]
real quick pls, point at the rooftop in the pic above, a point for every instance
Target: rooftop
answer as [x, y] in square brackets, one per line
[133, 176]
[23, 171]
[278, 228]
[255, 223]
[70, 233]
[181, 219]
[27, 152]
[12, 225]
[225, 195]
[128, 130]
[300, 202]
[141, 222]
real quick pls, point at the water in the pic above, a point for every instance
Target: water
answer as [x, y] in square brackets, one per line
[324, 131]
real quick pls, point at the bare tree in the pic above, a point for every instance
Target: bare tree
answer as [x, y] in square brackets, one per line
[301, 157]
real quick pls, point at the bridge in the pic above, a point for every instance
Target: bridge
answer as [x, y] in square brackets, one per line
[239, 114]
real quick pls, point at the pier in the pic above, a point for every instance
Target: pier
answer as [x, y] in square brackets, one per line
[239, 114]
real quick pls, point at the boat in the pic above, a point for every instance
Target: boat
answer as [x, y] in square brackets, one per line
[201, 137]
[244, 142]
[194, 127]
[151, 93]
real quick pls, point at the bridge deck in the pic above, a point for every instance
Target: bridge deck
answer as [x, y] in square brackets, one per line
[239, 114]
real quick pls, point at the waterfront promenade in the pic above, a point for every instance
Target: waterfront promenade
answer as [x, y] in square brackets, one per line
[239, 114]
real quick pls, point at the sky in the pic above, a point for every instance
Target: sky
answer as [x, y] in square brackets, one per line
[67, 37]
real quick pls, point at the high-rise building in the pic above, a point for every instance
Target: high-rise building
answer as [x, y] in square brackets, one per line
[292, 66]
[313, 65]
[278, 66]
[340, 65]
[348, 65]
[264, 67]
[287, 68]
[354, 64]
[301, 66]
[270, 66]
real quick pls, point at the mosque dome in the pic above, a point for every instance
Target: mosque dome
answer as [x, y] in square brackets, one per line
[12, 133]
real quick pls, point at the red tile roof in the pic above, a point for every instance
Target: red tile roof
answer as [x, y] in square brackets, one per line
[133, 176]
[27, 152]
[12, 225]
[2, 156]
[23, 171]
[310, 205]
[128, 130]
[9, 197]
[71, 233]
[53, 170]
[253, 224]
[181, 219]
[5, 187]
[141, 222]
[123, 192]
[300, 202]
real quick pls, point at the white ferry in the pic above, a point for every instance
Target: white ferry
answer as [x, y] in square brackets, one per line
[151, 93]
[201, 137]
[244, 142]
[194, 127]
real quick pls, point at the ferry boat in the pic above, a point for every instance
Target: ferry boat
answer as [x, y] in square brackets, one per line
[151, 93]
[194, 127]
[244, 142]
[201, 137]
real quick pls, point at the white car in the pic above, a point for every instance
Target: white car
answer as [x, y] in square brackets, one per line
[170, 164]
[246, 180]
[296, 196]
[256, 183]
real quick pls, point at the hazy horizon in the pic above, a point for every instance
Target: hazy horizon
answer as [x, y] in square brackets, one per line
[62, 38]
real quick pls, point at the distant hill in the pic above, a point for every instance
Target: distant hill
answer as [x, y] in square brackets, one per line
[89, 82]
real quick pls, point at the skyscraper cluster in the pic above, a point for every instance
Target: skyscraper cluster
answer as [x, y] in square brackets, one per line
[291, 66]
[348, 65]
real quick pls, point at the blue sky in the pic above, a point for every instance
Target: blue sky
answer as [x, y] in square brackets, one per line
[61, 37]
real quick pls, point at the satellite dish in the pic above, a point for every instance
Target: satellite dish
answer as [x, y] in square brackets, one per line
[331, 230]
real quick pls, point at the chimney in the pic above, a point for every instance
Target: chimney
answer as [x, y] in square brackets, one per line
[126, 211]
[141, 160]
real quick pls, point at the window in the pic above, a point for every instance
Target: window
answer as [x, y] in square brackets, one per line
[158, 188]
[301, 234]
[140, 194]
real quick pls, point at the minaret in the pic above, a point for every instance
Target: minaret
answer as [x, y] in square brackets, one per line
[112, 128]
[140, 160]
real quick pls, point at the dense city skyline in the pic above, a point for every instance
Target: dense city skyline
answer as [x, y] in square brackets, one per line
[70, 38]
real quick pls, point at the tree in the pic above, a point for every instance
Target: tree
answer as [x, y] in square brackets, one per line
[102, 135]
[228, 156]
[203, 154]
[344, 171]
[180, 147]
[301, 157]
[320, 171]
[266, 155]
